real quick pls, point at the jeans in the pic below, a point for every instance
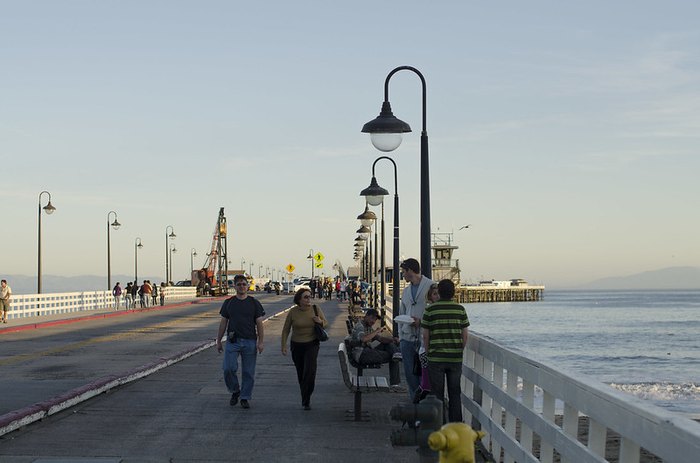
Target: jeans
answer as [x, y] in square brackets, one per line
[247, 349]
[408, 353]
[305, 356]
[453, 372]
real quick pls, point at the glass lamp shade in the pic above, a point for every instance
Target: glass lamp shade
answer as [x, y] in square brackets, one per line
[367, 217]
[116, 225]
[374, 194]
[49, 209]
[172, 235]
[386, 142]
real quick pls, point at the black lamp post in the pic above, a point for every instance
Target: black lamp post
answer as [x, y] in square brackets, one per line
[172, 250]
[167, 252]
[385, 133]
[374, 194]
[116, 226]
[137, 246]
[49, 209]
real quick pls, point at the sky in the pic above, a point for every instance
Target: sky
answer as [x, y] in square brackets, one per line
[566, 134]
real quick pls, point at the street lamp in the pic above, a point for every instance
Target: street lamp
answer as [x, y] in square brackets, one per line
[168, 237]
[385, 133]
[172, 250]
[137, 246]
[375, 195]
[193, 254]
[311, 258]
[49, 209]
[242, 264]
[251, 269]
[116, 226]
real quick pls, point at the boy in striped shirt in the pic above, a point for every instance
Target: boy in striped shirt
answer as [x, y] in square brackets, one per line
[445, 333]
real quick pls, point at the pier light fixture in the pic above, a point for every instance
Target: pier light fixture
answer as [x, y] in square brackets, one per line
[137, 246]
[377, 193]
[385, 134]
[368, 217]
[115, 225]
[364, 231]
[48, 209]
[168, 254]
[311, 258]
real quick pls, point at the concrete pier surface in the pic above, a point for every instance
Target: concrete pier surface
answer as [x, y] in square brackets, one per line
[181, 412]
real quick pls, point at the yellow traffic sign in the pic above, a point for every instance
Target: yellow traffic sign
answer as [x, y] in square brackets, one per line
[318, 265]
[290, 268]
[318, 257]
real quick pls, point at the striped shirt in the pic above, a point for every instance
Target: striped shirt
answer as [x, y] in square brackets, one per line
[445, 321]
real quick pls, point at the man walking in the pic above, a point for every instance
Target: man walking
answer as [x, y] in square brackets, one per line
[445, 337]
[242, 320]
[5, 296]
[413, 302]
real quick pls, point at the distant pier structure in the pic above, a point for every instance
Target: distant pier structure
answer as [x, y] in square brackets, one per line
[445, 267]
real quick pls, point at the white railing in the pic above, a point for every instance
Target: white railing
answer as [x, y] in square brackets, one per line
[33, 305]
[532, 412]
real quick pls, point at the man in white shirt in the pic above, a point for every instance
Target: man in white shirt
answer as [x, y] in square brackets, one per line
[5, 295]
[413, 302]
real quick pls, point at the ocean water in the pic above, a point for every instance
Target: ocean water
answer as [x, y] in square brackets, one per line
[645, 343]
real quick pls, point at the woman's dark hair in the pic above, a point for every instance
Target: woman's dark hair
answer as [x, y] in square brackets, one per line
[300, 292]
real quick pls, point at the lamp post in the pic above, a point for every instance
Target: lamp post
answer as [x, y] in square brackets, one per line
[167, 251]
[137, 246]
[385, 133]
[242, 264]
[172, 250]
[311, 258]
[116, 226]
[375, 196]
[49, 209]
[193, 254]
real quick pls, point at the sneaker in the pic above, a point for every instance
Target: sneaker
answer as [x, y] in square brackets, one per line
[307, 407]
[234, 398]
[397, 356]
[245, 404]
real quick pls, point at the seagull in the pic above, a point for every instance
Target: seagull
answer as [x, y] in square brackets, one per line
[466, 226]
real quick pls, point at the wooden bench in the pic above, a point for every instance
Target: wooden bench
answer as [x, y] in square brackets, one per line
[358, 383]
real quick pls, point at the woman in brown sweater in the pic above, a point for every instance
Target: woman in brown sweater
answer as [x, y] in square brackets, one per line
[304, 345]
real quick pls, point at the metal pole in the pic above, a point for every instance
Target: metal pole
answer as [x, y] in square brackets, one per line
[375, 296]
[38, 290]
[382, 301]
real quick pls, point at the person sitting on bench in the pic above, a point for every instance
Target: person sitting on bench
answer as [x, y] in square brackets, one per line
[373, 346]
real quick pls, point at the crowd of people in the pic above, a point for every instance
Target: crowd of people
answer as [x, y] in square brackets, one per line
[430, 346]
[145, 295]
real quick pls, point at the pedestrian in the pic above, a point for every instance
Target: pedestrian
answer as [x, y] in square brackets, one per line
[374, 345]
[117, 293]
[146, 289]
[312, 287]
[301, 320]
[128, 298]
[242, 321]
[5, 297]
[162, 293]
[445, 334]
[424, 387]
[413, 302]
[344, 290]
[135, 293]
[154, 295]
[142, 293]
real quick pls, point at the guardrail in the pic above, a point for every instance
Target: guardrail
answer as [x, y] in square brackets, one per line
[532, 412]
[31, 305]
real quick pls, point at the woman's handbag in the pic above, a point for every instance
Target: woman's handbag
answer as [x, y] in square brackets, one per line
[321, 334]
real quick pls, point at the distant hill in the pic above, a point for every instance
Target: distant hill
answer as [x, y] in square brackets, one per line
[665, 278]
[23, 284]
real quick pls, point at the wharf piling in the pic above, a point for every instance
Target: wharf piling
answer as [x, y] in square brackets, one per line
[468, 294]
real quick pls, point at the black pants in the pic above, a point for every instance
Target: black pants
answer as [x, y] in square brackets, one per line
[305, 355]
[453, 372]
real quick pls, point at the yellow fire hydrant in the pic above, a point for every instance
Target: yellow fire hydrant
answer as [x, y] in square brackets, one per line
[455, 442]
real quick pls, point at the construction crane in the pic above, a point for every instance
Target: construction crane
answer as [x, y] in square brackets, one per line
[213, 277]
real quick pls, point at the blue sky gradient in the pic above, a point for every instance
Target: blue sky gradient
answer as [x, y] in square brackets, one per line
[566, 133]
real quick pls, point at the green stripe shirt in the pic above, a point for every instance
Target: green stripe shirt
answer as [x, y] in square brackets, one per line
[445, 321]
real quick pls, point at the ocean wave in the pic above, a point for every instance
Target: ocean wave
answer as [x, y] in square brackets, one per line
[660, 391]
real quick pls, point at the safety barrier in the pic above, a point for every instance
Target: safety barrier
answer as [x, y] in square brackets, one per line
[32, 305]
[532, 412]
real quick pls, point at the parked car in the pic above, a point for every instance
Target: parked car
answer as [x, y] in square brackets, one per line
[301, 283]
